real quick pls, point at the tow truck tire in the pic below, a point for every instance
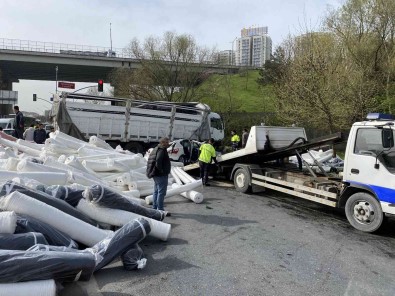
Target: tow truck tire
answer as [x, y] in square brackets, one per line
[242, 180]
[134, 147]
[364, 212]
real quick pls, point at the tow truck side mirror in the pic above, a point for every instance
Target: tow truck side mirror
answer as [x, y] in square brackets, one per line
[387, 138]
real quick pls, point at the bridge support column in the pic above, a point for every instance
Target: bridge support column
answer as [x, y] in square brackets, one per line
[8, 98]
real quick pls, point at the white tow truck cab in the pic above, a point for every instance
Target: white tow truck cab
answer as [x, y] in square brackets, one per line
[366, 191]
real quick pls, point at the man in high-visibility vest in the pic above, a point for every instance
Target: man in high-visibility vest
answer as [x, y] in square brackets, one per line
[235, 140]
[206, 156]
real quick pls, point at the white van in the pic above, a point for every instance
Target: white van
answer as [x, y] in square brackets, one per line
[7, 124]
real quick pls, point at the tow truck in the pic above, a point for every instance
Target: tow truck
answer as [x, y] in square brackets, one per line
[365, 188]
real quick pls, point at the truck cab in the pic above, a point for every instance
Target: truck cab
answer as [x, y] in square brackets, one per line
[369, 172]
[216, 126]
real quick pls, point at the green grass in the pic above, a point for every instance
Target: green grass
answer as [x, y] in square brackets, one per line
[241, 91]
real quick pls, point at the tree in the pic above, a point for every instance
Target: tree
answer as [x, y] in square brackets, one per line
[273, 69]
[171, 69]
[332, 78]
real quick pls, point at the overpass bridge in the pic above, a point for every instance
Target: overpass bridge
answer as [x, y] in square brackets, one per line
[34, 60]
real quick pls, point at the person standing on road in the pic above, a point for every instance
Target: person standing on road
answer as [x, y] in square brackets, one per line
[235, 140]
[206, 156]
[40, 134]
[28, 135]
[19, 123]
[158, 168]
[244, 137]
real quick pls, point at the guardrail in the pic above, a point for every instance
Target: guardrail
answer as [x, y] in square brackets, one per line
[63, 48]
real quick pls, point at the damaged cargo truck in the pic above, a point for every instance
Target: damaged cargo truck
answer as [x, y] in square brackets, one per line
[134, 124]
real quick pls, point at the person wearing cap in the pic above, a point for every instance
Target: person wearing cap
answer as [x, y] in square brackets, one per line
[206, 156]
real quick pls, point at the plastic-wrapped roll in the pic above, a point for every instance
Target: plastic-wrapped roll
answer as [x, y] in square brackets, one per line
[52, 235]
[11, 164]
[93, 140]
[21, 241]
[68, 194]
[32, 145]
[27, 166]
[141, 170]
[75, 228]
[195, 196]
[109, 176]
[123, 239]
[84, 179]
[7, 137]
[30, 183]
[146, 192]
[87, 151]
[67, 140]
[177, 190]
[7, 222]
[58, 147]
[44, 178]
[62, 158]
[3, 163]
[106, 165]
[36, 288]
[111, 199]
[175, 176]
[114, 217]
[75, 163]
[10, 187]
[20, 266]
[134, 258]
[137, 176]
[184, 175]
[21, 148]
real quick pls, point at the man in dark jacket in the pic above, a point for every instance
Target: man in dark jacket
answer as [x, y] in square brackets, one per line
[19, 123]
[158, 168]
[40, 134]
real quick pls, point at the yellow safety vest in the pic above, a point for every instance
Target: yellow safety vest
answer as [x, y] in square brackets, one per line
[235, 138]
[207, 151]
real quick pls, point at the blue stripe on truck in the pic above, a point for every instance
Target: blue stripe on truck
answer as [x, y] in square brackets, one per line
[384, 194]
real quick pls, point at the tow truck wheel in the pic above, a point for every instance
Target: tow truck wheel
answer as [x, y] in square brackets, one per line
[242, 180]
[364, 212]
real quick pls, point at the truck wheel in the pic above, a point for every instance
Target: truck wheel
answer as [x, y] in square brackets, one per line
[134, 147]
[242, 180]
[364, 212]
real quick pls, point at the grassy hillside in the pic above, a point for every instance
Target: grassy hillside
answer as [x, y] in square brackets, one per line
[240, 91]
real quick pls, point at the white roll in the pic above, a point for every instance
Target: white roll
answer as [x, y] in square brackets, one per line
[69, 141]
[195, 196]
[36, 288]
[177, 190]
[84, 179]
[75, 163]
[92, 150]
[32, 145]
[114, 217]
[11, 164]
[175, 176]
[95, 141]
[181, 172]
[62, 158]
[58, 147]
[28, 166]
[177, 171]
[75, 228]
[42, 177]
[7, 222]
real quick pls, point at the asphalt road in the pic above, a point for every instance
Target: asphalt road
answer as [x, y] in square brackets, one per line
[263, 244]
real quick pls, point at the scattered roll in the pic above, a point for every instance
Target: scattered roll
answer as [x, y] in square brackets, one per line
[7, 222]
[36, 288]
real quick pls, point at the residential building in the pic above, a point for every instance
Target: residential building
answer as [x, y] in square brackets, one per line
[254, 47]
[226, 57]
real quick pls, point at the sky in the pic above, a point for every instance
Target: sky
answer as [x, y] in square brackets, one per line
[213, 23]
